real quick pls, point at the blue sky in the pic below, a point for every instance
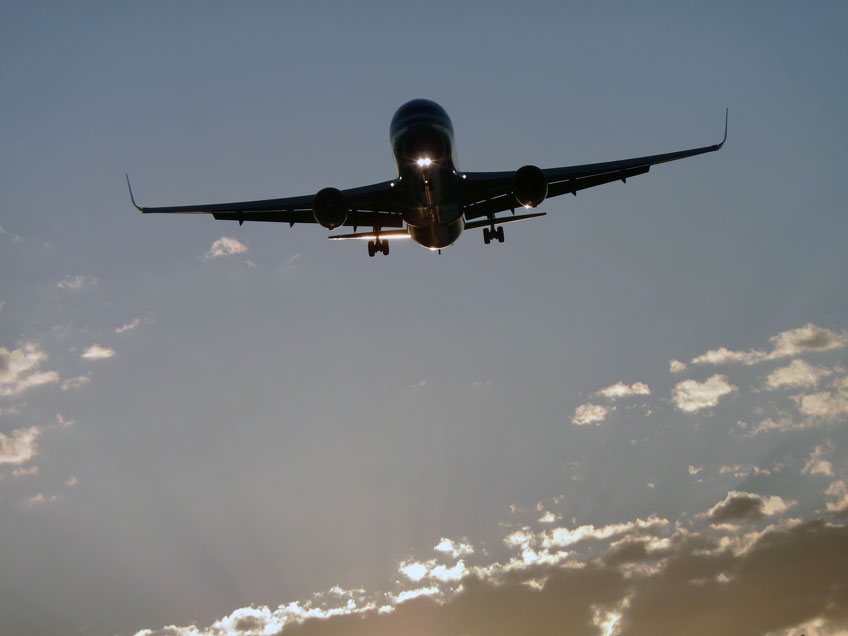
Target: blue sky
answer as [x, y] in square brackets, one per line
[291, 436]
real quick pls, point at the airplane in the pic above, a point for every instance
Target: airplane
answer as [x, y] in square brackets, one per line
[430, 201]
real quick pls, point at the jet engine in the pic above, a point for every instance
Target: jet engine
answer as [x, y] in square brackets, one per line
[529, 186]
[329, 208]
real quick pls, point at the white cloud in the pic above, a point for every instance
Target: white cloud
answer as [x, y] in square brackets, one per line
[692, 396]
[796, 374]
[823, 404]
[71, 481]
[225, 246]
[818, 463]
[723, 355]
[454, 548]
[620, 390]
[564, 537]
[410, 594]
[783, 423]
[61, 422]
[132, 324]
[589, 414]
[41, 498]
[676, 366]
[414, 570]
[75, 383]
[19, 369]
[77, 282]
[810, 337]
[25, 472]
[549, 517]
[96, 352]
[838, 492]
[446, 574]
[19, 447]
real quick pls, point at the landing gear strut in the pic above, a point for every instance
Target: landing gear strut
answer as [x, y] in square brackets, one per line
[493, 233]
[378, 246]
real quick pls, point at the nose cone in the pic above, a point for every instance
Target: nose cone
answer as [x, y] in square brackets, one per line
[419, 111]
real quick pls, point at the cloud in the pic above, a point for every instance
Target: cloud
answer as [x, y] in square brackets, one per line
[838, 494]
[96, 352]
[19, 369]
[824, 404]
[807, 338]
[784, 577]
[75, 383]
[810, 337]
[25, 472]
[132, 324]
[41, 498]
[77, 282]
[817, 464]
[723, 355]
[71, 481]
[796, 374]
[620, 390]
[746, 506]
[676, 366]
[691, 396]
[454, 548]
[19, 447]
[589, 414]
[225, 246]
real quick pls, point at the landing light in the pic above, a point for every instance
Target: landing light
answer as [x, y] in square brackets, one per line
[423, 162]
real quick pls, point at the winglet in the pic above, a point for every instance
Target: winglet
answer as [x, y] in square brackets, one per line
[726, 111]
[132, 198]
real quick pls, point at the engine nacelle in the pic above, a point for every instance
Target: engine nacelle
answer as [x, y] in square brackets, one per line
[529, 186]
[329, 208]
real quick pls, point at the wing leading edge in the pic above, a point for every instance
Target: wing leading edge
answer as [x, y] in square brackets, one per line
[375, 205]
[491, 192]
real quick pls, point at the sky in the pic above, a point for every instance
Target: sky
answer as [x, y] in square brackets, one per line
[628, 418]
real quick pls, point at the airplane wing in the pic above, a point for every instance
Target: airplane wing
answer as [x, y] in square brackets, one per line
[373, 205]
[486, 193]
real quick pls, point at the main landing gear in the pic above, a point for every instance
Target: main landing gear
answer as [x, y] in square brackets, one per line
[493, 233]
[378, 246]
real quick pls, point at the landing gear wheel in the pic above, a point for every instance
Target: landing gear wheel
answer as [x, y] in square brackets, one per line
[487, 236]
[385, 248]
[500, 234]
[372, 249]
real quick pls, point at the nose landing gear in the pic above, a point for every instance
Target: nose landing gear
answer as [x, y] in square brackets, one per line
[493, 233]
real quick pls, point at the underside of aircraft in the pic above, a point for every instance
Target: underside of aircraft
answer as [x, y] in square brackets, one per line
[430, 201]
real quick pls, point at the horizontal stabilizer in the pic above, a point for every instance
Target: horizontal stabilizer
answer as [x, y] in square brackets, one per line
[473, 225]
[371, 236]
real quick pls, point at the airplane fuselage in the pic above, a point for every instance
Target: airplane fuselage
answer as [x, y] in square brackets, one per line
[421, 135]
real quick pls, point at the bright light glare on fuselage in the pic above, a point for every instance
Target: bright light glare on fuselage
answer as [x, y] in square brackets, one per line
[423, 162]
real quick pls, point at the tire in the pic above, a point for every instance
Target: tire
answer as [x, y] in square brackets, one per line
[500, 233]
[371, 249]
[486, 235]
[385, 248]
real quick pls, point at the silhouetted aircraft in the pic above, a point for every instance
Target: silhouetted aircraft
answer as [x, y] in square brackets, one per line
[431, 200]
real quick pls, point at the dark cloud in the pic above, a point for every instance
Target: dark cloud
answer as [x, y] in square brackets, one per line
[746, 506]
[788, 577]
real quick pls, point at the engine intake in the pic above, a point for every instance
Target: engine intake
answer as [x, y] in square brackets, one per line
[529, 186]
[329, 208]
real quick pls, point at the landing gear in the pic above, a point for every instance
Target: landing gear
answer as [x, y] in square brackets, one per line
[493, 233]
[378, 246]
